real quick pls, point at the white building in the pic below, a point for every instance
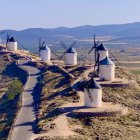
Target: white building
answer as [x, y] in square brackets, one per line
[102, 51]
[92, 94]
[45, 53]
[12, 44]
[107, 69]
[70, 57]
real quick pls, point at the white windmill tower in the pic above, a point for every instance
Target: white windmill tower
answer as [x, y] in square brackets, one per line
[45, 51]
[11, 43]
[70, 55]
[102, 51]
[92, 94]
[107, 69]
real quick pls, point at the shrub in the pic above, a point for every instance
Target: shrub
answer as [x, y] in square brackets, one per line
[14, 89]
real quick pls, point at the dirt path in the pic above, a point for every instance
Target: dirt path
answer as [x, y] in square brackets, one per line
[25, 123]
[61, 128]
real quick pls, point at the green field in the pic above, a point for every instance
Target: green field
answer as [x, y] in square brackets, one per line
[136, 72]
[133, 67]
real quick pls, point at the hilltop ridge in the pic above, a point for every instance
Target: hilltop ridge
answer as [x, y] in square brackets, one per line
[116, 32]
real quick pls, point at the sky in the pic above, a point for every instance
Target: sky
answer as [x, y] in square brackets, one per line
[22, 14]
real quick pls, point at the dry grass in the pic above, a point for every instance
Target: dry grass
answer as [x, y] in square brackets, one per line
[55, 92]
[103, 128]
[8, 107]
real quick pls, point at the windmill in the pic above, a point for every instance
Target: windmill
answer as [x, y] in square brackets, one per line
[95, 45]
[10, 37]
[41, 45]
[87, 89]
[69, 55]
[44, 51]
[92, 93]
[66, 48]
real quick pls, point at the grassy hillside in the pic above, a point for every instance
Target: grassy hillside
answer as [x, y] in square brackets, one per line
[56, 92]
[12, 80]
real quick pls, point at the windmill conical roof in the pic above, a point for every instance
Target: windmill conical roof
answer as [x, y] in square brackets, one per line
[106, 61]
[101, 47]
[12, 39]
[92, 84]
[71, 50]
[45, 47]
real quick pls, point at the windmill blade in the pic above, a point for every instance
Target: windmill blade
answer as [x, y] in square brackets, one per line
[63, 45]
[87, 89]
[96, 54]
[62, 56]
[21, 45]
[97, 43]
[97, 64]
[94, 45]
[89, 94]
[73, 44]
[43, 43]
[91, 50]
[7, 39]
[55, 53]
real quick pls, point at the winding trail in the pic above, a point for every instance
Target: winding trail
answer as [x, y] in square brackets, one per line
[25, 123]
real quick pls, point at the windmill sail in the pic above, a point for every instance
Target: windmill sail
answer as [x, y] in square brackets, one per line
[67, 49]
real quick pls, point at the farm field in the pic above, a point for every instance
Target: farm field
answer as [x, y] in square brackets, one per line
[133, 67]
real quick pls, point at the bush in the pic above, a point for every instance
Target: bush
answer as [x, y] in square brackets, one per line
[13, 71]
[14, 89]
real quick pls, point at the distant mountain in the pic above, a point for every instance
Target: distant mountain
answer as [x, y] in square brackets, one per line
[122, 32]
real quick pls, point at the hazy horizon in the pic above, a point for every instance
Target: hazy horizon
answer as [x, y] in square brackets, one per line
[66, 26]
[19, 15]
